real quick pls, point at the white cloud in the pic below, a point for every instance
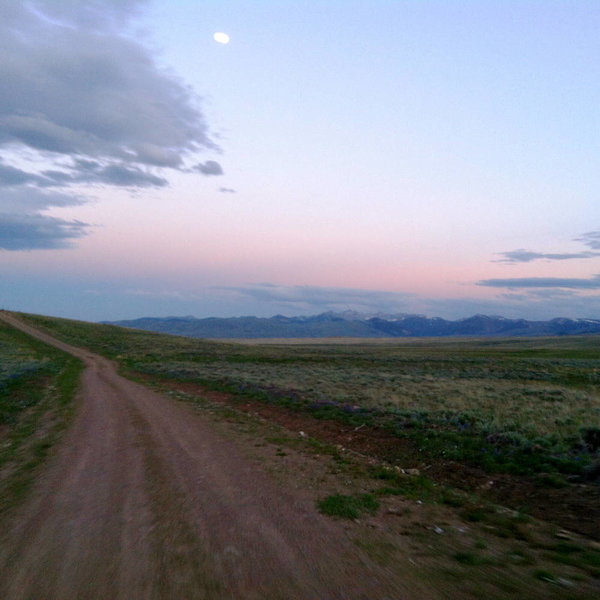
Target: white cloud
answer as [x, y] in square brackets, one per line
[90, 102]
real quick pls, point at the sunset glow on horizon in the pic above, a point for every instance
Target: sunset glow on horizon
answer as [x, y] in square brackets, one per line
[437, 158]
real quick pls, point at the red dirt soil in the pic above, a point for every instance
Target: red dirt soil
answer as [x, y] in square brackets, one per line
[575, 507]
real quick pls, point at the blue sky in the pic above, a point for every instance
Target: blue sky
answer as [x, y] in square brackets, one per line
[430, 157]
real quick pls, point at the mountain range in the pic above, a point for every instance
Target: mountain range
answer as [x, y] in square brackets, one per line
[353, 324]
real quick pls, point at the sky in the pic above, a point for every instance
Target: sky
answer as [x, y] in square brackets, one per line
[430, 157]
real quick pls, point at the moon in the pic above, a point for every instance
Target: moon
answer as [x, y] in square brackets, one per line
[221, 38]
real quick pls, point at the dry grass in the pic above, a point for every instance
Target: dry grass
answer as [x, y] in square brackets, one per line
[489, 401]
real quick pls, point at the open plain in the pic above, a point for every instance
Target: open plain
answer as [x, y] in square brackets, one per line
[461, 469]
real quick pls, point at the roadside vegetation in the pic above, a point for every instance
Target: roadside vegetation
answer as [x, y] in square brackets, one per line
[521, 411]
[457, 543]
[37, 388]
[519, 406]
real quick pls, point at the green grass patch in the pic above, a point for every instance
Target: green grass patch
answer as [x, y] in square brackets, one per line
[348, 507]
[513, 526]
[451, 498]
[520, 557]
[410, 486]
[471, 559]
[475, 514]
[551, 480]
[567, 548]
[387, 490]
[36, 404]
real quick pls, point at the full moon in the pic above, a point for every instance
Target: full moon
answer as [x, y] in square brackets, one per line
[221, 37]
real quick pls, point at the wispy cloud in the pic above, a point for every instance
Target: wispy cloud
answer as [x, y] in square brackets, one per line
[592, 283]
[311, 298]
[591, 239]
[523, 303]
[87, 99]
[210, 167]
[524, 256]
[89, 171]
[11, 176]
[24, 227]
[32, 201]
[29, 232]
[176, 294]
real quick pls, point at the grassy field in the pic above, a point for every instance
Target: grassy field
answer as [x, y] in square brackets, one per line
[520, 406]
[523, 406]
[37, 387]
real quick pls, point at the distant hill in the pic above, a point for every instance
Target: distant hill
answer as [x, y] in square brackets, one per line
[352, 324]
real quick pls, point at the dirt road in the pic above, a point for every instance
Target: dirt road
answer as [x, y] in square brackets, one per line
[143, 499]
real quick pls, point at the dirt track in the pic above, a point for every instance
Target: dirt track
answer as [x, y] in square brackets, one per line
[144, 500]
